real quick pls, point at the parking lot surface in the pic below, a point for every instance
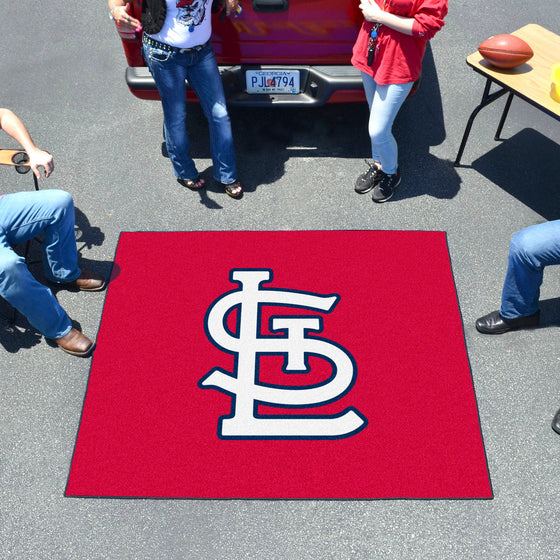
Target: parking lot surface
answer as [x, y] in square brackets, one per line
[63, 74]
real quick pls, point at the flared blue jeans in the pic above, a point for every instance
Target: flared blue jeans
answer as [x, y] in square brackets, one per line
[170, 70]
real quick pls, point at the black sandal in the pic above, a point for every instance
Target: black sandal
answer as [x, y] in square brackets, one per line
[235, 190]
[193, 184]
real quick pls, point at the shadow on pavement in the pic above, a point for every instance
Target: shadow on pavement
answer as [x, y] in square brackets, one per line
[14, 337]
[420, 125]
[527, 166]
[550, 312]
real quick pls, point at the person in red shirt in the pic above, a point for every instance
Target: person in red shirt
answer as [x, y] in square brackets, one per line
[389, 51]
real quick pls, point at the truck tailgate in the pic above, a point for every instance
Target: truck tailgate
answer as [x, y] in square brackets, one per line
[288, 32]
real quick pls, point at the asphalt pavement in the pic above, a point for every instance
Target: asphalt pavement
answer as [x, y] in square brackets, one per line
[62, 71]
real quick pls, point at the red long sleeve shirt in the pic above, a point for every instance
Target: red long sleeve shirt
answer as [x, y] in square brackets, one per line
[398, 57]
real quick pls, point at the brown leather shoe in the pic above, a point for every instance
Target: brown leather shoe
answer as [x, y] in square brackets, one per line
[88, 281]
[75, 343]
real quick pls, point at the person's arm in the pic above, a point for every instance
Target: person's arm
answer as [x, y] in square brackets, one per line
[13, 127]
[372, 12]
[119, 11]
[427, 21]
[230, 6]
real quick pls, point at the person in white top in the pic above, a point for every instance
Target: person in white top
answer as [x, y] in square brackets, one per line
[177, 47]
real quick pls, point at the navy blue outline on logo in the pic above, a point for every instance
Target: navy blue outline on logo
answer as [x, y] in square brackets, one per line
[258, 355]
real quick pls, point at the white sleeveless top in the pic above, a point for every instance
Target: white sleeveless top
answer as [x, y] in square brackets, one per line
[187, 23]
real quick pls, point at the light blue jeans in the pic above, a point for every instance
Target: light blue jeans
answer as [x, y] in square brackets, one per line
[384, 104]
[530, 251]
[170, 70]
[23, 216]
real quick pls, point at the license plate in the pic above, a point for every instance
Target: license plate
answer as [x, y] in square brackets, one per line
[272, 81]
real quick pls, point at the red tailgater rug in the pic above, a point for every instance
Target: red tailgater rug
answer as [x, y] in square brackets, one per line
[296, 365]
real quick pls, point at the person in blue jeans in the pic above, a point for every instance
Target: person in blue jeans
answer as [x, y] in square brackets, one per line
[177, 47]
[530, 251]
[23, 216]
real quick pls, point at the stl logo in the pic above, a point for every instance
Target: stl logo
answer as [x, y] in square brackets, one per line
[293, 342]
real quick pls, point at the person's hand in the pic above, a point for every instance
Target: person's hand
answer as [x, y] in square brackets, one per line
[124, 19]
[230, 6]
[371, 11]
[39, 158]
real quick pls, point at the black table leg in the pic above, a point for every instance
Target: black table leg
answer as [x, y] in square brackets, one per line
[504, 116]
[487, 98]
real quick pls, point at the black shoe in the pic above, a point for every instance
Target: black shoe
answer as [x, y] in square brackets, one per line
[556, 422]
[366, 181]
[494, 323]
[386, 187]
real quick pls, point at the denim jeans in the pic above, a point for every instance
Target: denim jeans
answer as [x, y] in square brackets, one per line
[384, 104]
[23, 216]
[169, 70]
[530, 250]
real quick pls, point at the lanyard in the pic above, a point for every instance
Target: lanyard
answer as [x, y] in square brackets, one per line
[373, 38]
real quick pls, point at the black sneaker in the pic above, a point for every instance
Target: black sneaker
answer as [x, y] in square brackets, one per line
[386, 187]
[366, 181]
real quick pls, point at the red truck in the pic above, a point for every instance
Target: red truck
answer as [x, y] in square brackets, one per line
[277, 52]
